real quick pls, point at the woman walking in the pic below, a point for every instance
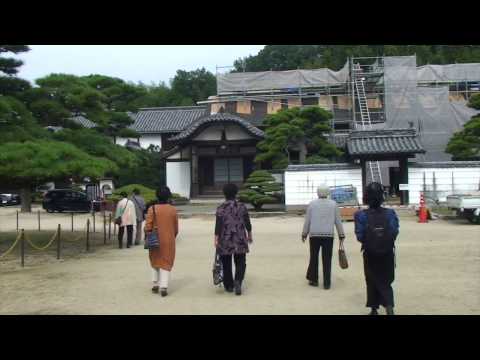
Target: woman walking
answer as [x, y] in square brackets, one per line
[126, 212]
[322, 216]
[162, 217]
[377, 229]
[233, 233]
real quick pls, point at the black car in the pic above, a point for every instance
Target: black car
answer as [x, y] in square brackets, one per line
[9, 199]
[66, 200]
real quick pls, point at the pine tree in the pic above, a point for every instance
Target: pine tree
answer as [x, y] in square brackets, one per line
[259, 189]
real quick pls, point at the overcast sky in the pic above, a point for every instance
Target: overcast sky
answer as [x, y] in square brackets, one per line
[135, 63]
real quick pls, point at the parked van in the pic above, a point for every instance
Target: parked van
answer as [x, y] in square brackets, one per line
[66, 200]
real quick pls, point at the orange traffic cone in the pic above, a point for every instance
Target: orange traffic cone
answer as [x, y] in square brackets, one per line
[422, 213]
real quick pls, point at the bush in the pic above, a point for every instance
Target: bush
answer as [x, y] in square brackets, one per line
[259, 189]
[145, 192]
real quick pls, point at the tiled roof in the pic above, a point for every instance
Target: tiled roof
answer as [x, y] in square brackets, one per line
[83, 121]
[378, 142]
[218, 118]
[166, 119]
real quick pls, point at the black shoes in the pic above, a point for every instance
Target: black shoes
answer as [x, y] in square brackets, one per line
[326, 286]
[238, 288]
[229, 289]
[373, 312]
[313, 283]
[163, 292]
[155, 289]
[390, 310]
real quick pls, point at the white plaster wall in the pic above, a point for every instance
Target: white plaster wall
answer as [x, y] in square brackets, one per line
[301, 186]
[232, 132]
[465, 179]
[178, 177]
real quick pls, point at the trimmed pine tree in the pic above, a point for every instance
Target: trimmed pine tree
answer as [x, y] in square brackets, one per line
[259, 189]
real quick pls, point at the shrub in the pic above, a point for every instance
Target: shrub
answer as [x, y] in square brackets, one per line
[259, 189]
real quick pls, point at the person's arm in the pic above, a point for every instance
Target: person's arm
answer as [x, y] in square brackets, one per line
[306, 224]
[176, 223]
[218, 228]
[360, 225]
[338, 223]
[248, 225]
[394, 223]
[149, 222]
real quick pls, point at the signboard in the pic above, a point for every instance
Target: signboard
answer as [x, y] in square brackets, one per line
[403, 187]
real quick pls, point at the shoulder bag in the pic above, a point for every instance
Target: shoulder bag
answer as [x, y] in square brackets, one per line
[152, 237]
[118, 220]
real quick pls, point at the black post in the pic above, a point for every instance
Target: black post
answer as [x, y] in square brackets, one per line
[403, 163]
[72, 221]
[88, 235]
[22, 248]
[104, 229]
[58, 241]
[17, 221]
[38, 220]
[109, 227]
[364, 179]
[93, 220]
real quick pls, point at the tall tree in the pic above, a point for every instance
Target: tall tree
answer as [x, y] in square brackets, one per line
[26, 165]
[188, 87]
[465, 144]
[296, 129]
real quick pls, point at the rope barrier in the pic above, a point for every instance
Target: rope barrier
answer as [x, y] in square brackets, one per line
[12, 247]
[79, 237]
[44, 247]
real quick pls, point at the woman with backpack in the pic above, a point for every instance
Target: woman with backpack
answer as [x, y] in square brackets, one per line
[376, 229]
[233, 233]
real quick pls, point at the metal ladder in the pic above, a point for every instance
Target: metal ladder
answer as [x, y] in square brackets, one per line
[374, 166]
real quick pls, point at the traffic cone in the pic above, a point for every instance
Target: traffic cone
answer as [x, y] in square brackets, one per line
[422, 213]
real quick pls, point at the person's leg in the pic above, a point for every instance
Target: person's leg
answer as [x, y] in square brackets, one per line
[385, 289]
[164, 280]
[240, 267]
[121, 230]
[312, 272]
[155, 279]
[138, 232]
[372, 295]
[327, 249]
[129, 235]
[227, 272]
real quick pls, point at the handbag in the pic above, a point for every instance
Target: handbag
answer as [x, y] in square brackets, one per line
[152, 237]
[118, 220]
[217, 269]
[342, 257]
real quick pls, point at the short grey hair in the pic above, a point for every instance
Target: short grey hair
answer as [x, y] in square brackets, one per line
[323, 191]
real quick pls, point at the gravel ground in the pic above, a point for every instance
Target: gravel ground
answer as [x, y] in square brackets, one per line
[438, 266]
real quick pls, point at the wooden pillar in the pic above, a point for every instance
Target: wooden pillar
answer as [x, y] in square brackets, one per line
[403, 164]
[363, 164]
[195, 188]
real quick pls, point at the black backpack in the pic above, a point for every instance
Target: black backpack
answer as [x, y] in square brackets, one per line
[379, 239]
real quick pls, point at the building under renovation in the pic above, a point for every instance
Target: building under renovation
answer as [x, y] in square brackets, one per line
[387, 114]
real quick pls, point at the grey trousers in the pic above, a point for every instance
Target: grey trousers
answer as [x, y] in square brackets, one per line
[138, 232]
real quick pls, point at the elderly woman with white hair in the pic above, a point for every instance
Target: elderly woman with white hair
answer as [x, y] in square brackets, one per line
[322, 215]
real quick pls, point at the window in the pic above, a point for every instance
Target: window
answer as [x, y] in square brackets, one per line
[310, 101]
[284, 103]
[259, 107]
[231, 107]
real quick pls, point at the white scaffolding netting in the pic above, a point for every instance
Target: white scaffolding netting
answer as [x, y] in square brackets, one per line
[279, 80]
[449, 73]
[428, 109]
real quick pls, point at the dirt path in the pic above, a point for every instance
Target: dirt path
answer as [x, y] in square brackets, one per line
[438, 265]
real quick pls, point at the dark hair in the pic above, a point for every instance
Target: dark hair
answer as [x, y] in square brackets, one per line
[163, 194]
[136, 191]
[123, 194]
[374, 195]
[230, 191]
